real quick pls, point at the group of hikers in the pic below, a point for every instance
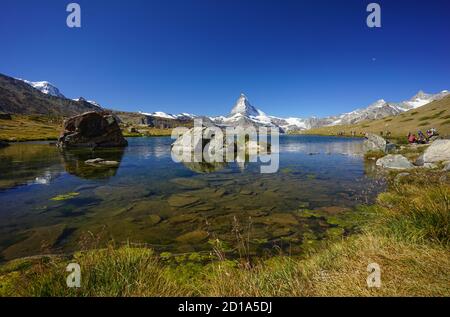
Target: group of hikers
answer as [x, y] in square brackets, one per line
[421, 138]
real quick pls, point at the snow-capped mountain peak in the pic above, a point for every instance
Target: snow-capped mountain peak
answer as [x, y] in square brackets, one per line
[160, 114]
[421, 99]
[244, 108]
[92, 102]
[378, 104]
[45, 87]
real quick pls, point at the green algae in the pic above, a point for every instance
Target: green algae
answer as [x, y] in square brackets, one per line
[67, 196]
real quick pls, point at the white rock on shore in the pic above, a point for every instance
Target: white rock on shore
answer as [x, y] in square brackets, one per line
[396, 162]
[438, 151]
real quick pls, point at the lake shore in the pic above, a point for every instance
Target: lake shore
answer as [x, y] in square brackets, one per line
[26, 128]
[406, 233]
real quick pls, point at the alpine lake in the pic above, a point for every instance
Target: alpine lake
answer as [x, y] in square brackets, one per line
[51, 202]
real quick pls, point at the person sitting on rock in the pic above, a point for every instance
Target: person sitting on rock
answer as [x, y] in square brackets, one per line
[421, 139]
[434, 132]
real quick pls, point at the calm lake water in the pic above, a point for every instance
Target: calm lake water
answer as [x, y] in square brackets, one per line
[50, 201]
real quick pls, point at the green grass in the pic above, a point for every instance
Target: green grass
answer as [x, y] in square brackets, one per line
[374, 155]
[30, 128]
[151, 132]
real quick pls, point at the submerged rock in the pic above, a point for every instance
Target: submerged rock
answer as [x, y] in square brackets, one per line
[154, 219]
[397, 162]
[102, 162]
[438, 151]
[334, 209]
[193, 237]
[92, 129]
[182, 218]
[283, 219]
[182, 200]
[190, 183]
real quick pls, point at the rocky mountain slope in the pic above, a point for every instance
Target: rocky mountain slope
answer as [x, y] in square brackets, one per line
[44, 87]
[435, 114]
[381, 109]
[19, 97]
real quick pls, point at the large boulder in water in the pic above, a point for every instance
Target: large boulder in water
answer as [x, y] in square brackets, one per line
[374, 142]
[92, 129]
[396, 162]
[438, 151]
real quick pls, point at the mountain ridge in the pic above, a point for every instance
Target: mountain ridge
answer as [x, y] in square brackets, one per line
[19, 97]
[44, 98]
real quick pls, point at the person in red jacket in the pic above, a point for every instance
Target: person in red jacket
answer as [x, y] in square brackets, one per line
[412, 138]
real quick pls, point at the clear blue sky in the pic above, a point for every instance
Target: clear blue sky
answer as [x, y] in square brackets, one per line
[291, 58]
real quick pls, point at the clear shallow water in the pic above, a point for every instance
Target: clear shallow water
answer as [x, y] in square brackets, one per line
[170, 206]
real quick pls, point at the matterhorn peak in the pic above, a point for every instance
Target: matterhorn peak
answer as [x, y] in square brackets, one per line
[421, 95]
[244, 107]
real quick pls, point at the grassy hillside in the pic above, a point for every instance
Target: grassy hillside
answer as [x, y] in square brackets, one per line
[41, 128]
[30, 128]
[407, 233]
[434, 115]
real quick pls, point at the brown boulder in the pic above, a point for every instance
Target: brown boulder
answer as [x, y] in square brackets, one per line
[92, 129]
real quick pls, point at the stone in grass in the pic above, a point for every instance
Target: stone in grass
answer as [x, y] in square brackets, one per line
[447, 167]
[395, 162]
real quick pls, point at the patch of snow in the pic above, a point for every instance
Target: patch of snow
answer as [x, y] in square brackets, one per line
[44, 87]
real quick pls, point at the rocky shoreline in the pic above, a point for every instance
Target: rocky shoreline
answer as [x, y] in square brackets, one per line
[433, 156]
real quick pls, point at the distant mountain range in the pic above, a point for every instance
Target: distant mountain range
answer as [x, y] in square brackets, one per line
[25, 97]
